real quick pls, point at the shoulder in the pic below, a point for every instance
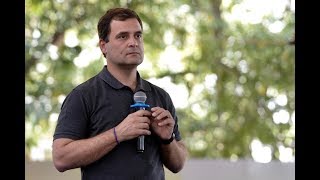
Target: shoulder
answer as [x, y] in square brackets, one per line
[84, 90]
[89, 85]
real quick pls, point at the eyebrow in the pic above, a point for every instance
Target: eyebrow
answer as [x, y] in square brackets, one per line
[126, 32]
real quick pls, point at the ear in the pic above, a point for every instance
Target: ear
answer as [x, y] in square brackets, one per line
[103, 46]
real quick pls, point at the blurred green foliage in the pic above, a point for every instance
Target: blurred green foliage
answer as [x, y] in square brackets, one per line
[234, 72]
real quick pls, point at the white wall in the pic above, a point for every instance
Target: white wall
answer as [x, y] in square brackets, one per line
[194, 169]
[241, 170]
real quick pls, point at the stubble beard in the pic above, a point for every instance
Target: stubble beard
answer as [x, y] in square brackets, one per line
[130, 64]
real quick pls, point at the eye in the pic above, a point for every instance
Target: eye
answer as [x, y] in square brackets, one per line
[138, 36]
[122, 36]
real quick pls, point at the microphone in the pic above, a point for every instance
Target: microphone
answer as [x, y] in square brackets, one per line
[139, 102]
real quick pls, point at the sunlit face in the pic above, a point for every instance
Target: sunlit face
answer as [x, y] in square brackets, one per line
[125, 46]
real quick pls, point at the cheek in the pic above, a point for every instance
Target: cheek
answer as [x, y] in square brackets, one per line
[110, 50]
[142, 47]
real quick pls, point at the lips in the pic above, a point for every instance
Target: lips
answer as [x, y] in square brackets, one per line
[133, 53]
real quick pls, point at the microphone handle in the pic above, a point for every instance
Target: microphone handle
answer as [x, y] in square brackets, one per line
[140, 141]
[140, 144]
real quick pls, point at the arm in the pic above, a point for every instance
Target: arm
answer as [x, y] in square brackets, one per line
[174, 155]
[69, 154]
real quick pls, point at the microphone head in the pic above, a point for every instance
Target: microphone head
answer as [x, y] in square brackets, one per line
[140, 97]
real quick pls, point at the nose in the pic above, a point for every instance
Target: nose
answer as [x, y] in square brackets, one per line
[133, 42]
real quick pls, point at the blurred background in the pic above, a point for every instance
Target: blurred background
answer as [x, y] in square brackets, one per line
[228, 65]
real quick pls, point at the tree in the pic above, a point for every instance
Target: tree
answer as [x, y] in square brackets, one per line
[239, 77]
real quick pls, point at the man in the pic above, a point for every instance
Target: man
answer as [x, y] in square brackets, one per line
[97, 130]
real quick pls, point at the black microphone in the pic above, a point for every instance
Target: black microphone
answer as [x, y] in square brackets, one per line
[139, 102]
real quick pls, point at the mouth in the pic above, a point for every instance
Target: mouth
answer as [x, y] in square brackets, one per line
[133, 53]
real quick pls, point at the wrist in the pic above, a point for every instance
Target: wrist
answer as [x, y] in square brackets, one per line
[168, 141]
[115, 135]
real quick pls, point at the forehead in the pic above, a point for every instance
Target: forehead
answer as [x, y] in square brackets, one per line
[128, 25]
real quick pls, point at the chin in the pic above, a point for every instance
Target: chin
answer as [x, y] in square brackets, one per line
[136, 62]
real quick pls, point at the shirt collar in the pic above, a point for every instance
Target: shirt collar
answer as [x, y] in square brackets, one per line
[107, 77]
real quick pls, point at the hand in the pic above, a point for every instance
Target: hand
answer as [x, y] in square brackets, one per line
[162, 122]
[134, 125]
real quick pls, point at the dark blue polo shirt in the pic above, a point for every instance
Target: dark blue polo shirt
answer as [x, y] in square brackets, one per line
[100, 104]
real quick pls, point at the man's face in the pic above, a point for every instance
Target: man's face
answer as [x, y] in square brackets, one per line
[125, 46]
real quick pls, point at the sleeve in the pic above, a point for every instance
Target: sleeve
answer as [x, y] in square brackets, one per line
[74, 117]
[172, 109]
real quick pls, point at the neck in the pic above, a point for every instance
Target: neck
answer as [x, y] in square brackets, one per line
[127, 76]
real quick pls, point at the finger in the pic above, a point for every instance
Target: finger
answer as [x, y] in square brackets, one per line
[143, 112]
[164, 115]
[146, 120]
[144, 132]
[143, 120]
[140, 126]
[157, 111]
[166, 122]
[143, 126]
